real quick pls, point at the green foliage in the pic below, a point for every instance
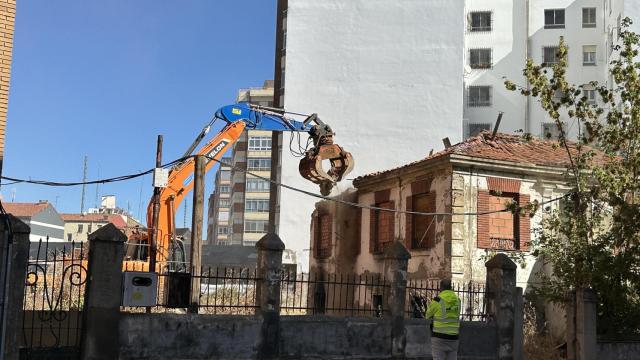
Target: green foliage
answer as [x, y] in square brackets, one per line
[593, 238]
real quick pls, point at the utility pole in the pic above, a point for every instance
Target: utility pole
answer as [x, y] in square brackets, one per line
[84, 180]
[196, 232]
[153, 243]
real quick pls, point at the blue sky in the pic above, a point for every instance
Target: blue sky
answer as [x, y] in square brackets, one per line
[104, 78]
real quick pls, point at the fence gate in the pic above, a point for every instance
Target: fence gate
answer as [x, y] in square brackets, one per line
[53, 300]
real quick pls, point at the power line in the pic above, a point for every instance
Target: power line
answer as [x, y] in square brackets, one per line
[308, 193]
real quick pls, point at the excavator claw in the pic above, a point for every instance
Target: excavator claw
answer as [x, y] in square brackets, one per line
[339, 162]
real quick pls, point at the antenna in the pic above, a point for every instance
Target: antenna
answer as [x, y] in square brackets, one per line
[84, 180]
[13, 195]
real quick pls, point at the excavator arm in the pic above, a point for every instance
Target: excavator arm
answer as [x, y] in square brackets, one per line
[239, 117]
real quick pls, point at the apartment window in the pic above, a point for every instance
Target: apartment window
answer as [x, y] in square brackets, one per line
[554, 19]
[256, 226]
[257, 185]
[590, 94]
[260, 143]
[225, 203]
[423, 227]
[480, 21]
[322, 236]
[382, 226]
[223, 230]
[588, 17]
[89, 228]
[479, 96]
[257, 205]
[475, 129]
[480, 58]
[225, 175]
[223, 216]
[225, 189]
[550, 55]
[69, 238]
[550, 131]
[80, 228]
[259, 164]
[589, 55]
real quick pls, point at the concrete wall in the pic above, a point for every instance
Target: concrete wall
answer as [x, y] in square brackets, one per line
[385, 75]
[629, 350]
[172, 336]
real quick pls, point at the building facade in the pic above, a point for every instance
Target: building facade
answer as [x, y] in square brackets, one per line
[239, 207]
[42, 218]
[218, 228]
[77, 227]
[385, 75]
[7, 15]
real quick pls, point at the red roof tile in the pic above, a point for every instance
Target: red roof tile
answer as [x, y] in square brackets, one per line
[24, 209]
[511, 148]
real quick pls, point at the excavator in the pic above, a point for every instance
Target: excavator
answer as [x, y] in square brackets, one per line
[170, 254]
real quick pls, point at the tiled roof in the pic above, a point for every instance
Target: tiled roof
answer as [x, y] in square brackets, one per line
[504, 147]
[116, 220]
[24, 209]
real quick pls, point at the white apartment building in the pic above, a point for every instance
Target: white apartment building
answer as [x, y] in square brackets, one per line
[501, 34]
[219, 210]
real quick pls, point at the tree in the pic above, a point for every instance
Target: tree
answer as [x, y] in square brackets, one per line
[593, 238]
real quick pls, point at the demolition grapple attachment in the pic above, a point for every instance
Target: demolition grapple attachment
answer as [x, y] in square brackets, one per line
[326, 163]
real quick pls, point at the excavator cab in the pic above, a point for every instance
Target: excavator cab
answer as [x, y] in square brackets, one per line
[326, 163]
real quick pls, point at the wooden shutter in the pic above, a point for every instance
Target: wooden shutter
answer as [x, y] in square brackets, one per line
[372, 230]
[408, 228]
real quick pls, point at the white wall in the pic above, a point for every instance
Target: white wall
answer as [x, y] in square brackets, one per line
[385, 74]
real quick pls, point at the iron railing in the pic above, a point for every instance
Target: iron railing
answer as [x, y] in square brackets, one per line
[472, 298]
[54, 295]
[333, 294]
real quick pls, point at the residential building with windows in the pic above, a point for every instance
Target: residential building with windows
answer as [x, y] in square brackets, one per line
[239, 207]
[501, 34]
[219, 210]
[77, 227]
[43, 219]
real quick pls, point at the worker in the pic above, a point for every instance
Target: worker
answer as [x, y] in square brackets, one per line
[445, 327]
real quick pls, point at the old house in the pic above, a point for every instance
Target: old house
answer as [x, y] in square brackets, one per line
[42, 218]
[77, 227]
[463, 187]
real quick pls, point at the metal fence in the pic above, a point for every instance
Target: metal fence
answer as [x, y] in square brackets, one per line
[53, 296]
[472, 298]
[333, 294]
[223, 290]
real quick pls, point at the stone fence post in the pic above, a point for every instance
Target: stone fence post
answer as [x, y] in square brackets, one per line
[502, 301]
[396, 260]
[269, 269]
[103, 294]
[581, 324]
[14, 257]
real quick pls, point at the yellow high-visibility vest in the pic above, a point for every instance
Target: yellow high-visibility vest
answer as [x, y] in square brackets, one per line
[445, 311]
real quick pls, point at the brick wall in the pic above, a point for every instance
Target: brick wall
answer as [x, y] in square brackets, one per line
[7, 19]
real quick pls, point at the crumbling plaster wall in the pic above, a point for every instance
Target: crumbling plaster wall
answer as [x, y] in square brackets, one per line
[467, 259]
[430, 263]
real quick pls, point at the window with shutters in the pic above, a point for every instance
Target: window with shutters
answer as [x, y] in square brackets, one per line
[382, 226]
[421, 229]
[502, 230]
[322, 237]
